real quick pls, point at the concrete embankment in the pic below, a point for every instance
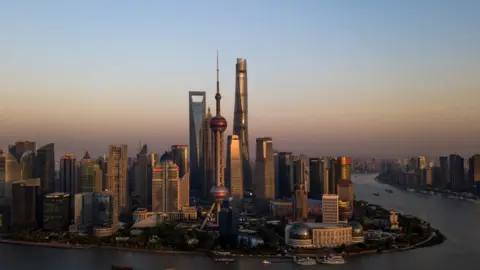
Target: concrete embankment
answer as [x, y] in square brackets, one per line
[43, 244]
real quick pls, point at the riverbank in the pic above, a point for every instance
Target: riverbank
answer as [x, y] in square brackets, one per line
[44, 244]
[124, 249]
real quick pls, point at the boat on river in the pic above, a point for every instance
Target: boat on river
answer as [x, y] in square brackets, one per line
[376, 194]
[266, 262]
[304, 261]
[332, 259]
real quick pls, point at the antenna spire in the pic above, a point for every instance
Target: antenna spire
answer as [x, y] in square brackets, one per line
[218, 96]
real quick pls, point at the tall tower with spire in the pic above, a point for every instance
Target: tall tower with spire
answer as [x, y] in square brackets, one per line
[218, 125]
[240, 119]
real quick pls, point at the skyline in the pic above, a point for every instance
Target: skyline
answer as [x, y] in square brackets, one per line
[349, 81]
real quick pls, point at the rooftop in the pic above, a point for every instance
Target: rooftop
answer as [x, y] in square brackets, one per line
[318, 225]
[57, 195]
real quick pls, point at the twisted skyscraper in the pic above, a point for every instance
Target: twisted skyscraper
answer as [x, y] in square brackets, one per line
[240, 119]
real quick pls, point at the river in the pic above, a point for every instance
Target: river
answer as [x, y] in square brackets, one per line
[459, 221]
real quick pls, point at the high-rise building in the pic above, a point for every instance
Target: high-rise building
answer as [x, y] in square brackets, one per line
[218, 125]
[117, 167]
[333, 175]
[429, 176]
[165, 187]
[207, 157]
[103, 213]
[264, 182]
[45, 167]
[180, 157]
[276, 172]
[26, 200]
[444, 176]
[3, 161]
[316, 183]
[90, 175]
[300, 171]
[197, 110]
[57, 211]
[68, 174]
[21, 147]
[234, 169]
[142, 174]
[16, 166]
[345, 188]
[474, 170]
[82, 209]
[184, 184]
[421, 162]
[326, 176]
[240, 119]
[228, 223]
[285, 171]
[330, 208]
[300, 205]
[457, 172]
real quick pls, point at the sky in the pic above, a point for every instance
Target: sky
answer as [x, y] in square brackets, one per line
[339, 77]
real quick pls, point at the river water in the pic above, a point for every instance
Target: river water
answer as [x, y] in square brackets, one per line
[459, 221]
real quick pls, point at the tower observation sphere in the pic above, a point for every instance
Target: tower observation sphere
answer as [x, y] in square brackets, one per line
[219, 193]
[218, 123]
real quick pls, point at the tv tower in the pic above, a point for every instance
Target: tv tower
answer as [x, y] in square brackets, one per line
[218, 125]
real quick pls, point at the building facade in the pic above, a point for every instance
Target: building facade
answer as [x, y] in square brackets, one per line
[68, 174]
[117, 178]
[234, 169]
[165, 188]
[264, 169]
[330, 208]
[197, 109]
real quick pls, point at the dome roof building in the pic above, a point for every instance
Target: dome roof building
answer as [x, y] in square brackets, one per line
[357, 229]
[300, 231]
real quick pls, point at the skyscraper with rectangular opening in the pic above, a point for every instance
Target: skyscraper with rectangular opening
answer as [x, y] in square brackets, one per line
[197, 109]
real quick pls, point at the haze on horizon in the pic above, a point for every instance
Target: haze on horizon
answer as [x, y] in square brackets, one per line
[383, 78]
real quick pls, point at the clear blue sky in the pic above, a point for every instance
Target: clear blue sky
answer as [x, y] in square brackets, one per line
[325, 77]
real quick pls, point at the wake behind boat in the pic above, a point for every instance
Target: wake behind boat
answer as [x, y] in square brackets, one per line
[304, 261]
[331, 259]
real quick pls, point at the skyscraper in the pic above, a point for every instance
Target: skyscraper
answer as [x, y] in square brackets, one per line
[240, 118]
[22, 146]
[218, 125]
[207, 157]
[68, 174]
[474, 170]
[300, 206]
[142, 173]
[45, 167]
[234, 169]
[117, 167]
[90, 176]
[26, 200]
[196, 117]
[457, 172]
[285, 178]
[165, 187]
[316, 183]
[180, 157]
[264, 169]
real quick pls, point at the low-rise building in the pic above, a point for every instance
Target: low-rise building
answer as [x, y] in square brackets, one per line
[317, 235]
